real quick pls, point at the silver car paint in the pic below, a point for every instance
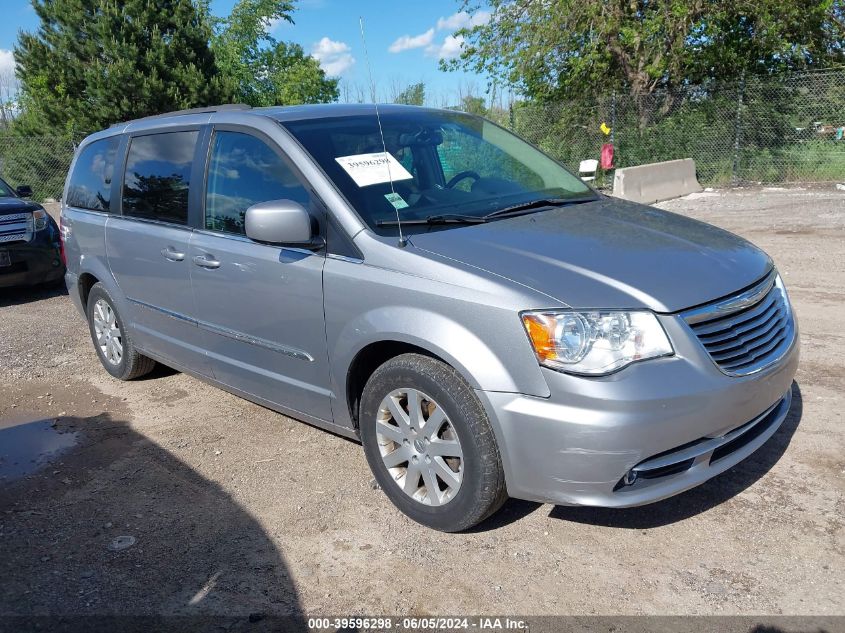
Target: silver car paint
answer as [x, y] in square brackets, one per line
[458, 295]
[609, 253]
[261, 315]
[150, 263]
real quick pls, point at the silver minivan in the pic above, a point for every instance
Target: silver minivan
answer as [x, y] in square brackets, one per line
[425, 281]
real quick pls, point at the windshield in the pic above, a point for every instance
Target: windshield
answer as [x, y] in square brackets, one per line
[5, 190]
[441, 163]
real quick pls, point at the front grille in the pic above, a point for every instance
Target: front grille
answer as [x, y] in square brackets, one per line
[747, 332]
[15, 227]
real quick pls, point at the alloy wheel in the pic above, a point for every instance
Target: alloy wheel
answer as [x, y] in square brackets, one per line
[107, 332]
[419, 447]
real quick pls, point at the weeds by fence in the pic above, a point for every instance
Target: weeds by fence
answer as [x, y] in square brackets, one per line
[755, 129]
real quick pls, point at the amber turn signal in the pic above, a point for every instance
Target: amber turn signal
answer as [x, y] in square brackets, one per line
[540, 330]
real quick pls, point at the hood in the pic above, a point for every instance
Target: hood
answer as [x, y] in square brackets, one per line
[607, 254]
[16, 205]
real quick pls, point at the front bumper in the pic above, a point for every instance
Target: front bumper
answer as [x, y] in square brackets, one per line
[577, 446]
[31, 264]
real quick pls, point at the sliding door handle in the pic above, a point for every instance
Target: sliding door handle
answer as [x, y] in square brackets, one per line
[206, 262]
[174, 256]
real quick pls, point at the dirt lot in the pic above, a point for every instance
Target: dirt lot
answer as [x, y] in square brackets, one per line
[237, 510]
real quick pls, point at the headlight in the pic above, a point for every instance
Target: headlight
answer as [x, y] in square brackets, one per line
[39, 219]
[595, 343]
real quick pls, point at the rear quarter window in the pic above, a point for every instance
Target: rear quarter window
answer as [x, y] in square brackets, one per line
[91, 180]
[157, 177]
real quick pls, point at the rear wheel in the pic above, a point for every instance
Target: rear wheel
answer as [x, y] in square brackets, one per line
[429, 443]
[111, 341]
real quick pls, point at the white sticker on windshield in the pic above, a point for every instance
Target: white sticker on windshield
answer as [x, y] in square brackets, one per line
[373, 169]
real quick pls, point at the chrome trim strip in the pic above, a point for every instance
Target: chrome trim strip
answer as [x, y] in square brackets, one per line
[176, 315]
[707, 446]
[344, 258]
[254, 340]
[91, 211]
[134, 218]
[228, 333]
[732, 304]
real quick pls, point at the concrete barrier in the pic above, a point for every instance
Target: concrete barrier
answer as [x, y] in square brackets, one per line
[656, 181]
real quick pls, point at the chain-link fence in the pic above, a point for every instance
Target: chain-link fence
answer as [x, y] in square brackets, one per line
[38, 161]
[755, 129]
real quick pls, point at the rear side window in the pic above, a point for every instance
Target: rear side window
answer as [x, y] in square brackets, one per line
[157, 177]
[243, 171]
[90, 182]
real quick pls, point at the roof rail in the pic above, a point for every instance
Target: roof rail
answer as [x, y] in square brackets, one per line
[202, 110]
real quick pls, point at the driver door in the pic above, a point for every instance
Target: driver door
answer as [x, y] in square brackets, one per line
[260, 307]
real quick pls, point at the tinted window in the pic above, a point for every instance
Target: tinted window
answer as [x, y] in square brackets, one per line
[158, 173]
[90, 182]
[244, 171]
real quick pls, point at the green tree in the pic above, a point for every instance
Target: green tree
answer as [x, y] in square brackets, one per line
[473, 105]
[263, 70]
[412, 95]
[92, 63]
[572, 49]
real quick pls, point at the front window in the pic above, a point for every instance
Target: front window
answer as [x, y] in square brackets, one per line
[5, 190]
[244, 171]
[439, 163]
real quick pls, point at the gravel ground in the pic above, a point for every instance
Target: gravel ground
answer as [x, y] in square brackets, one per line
[237, 510]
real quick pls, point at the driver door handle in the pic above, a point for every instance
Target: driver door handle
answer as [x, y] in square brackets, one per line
[174, 256]
[206, 262]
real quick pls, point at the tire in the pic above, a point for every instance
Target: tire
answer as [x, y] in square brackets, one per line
[475, 487]
[130, 364]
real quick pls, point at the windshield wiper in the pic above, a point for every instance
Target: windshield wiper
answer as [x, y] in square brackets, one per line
[516, 209]
[437, 219]
[523, 207]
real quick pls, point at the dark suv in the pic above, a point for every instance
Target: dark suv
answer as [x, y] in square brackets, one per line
[30, 249]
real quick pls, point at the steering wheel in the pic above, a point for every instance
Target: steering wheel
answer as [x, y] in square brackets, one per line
[454, 180]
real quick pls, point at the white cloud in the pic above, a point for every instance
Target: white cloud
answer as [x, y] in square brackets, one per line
[274, 24]
[9, 85]
[335, 57]
[449, 49]
[416, 41]
[451, 46]
[463, 20]
[7, 62]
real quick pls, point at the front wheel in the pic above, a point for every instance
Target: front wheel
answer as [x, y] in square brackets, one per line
[430, 445]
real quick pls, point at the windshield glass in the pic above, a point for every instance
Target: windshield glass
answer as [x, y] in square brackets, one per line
[5, 190]
[441, 163]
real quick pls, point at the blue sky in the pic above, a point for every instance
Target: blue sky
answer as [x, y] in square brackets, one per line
[405, 39]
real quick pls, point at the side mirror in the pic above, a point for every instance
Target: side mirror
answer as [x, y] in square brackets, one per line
[24, 191]
[282, 222]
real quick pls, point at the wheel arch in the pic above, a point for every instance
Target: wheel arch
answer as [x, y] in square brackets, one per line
[377, 335]
[371, 357]
[85, 283]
